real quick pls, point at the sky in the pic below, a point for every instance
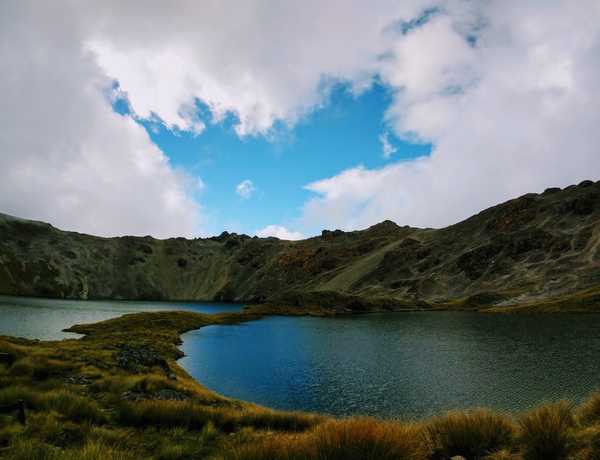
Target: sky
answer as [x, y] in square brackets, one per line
[285, 118]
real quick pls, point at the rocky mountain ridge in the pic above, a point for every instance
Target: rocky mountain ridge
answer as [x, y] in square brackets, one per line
[536, 249]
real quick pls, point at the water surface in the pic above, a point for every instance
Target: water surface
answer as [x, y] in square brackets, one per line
[389, 365]
[400, 365]
[44, 319]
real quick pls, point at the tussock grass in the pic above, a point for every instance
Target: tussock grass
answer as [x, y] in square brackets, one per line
[589, 412]
[548, 432]
[179, 444]
[350, 439]
[77, 409]
[282, 421]
[74, 407]
[32, 449]
[503, 455]
[191, 415]
[470, 434]
[11, 395]
[588, 438]
[39, 368]
[165, 414]
[50, 428]
[367, 438]
[98, 451]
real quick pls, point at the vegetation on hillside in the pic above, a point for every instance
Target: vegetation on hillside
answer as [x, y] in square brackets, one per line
[536, 251]
[118, 394]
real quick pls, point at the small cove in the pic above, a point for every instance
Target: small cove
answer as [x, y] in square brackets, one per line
[401, 365]
[45, 319]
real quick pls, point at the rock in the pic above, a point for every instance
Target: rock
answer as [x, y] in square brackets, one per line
[169, 395]
[135, 358]
[331, 234]
[458, 457]
[165, 394]
[133, 396]
[586, 183]
[551, 190]
[78, 380]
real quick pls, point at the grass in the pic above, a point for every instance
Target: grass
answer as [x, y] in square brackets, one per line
[79, 406]
[548, 432]
[355, 438]
[472, 434]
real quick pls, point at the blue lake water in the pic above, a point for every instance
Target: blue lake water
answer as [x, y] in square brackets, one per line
[391, 365]
[44, 319]
[400, 365]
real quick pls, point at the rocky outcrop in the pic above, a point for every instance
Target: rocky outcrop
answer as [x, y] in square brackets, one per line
[538, 246]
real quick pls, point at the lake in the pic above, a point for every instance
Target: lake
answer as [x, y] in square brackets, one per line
[44, 319]
[400, 365]
[389, 365]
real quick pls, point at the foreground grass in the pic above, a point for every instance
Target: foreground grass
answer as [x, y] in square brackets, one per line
[118, 393]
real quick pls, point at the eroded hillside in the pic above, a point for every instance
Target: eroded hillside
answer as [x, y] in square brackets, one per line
[539, 248]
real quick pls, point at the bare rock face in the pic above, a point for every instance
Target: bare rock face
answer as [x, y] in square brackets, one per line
[538, 246]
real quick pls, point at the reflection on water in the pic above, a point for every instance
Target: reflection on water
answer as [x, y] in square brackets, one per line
[400, 365]
[45, 319]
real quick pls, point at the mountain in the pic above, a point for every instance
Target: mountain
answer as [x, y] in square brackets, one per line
[538, 251]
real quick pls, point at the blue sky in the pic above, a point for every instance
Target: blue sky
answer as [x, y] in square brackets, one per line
[344, 133]
[506, 94]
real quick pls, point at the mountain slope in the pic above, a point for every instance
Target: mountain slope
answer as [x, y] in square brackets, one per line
[534, 249]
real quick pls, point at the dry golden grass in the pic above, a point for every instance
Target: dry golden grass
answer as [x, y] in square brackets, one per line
[75, 394]
[193, 415]
[470, 434]
[350, 439]
[548, 432]
[589, 412]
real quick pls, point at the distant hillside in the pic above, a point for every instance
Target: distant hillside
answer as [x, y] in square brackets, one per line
[536, 251]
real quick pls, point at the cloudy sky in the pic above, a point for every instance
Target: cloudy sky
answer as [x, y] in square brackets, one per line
[282, 118]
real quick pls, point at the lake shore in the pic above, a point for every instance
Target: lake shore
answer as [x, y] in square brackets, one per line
[119, 393]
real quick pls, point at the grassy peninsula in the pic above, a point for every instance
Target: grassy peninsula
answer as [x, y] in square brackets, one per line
[118, 393]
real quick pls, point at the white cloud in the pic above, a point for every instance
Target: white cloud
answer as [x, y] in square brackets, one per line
[258, 60]
[511, 111]
[386, 145]
[513, 114]
[279, 232]
[245, 189]
[66, 157]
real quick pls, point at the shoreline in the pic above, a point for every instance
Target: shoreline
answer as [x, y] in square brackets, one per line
[122, 379]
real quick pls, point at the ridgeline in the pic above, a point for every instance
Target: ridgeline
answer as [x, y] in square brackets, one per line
[538, 252]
